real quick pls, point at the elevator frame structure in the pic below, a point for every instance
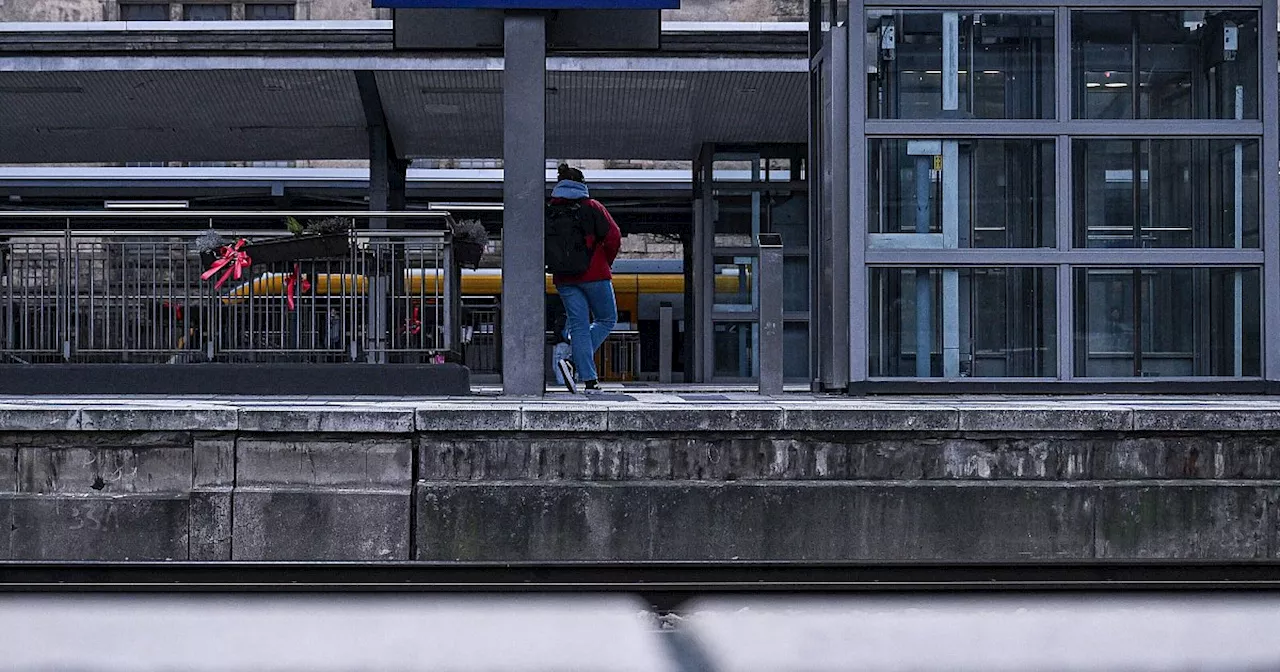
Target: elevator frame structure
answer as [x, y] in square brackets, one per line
[847, 251]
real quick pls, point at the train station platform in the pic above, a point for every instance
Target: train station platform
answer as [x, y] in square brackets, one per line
[680, 474]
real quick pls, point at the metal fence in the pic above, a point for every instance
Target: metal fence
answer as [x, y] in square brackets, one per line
[98, 293]
[619, 357]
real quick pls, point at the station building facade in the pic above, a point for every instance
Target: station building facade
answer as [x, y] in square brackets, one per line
[1045, 192]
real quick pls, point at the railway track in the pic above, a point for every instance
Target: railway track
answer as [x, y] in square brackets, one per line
[664, 584]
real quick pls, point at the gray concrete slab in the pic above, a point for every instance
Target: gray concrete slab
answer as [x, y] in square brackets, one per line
[691, 409]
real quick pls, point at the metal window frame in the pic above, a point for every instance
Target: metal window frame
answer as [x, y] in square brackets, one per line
[292, 4]
[1062, 130]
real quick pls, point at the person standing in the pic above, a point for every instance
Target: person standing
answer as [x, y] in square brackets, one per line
[582, 241]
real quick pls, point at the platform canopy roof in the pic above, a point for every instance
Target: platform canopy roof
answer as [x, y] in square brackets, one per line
[252, 91]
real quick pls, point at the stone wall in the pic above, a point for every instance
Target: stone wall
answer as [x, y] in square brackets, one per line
[598, 481]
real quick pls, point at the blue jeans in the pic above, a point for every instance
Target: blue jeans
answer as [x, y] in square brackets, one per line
[582, 302]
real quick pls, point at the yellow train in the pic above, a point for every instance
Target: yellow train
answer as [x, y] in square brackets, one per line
[632, 280]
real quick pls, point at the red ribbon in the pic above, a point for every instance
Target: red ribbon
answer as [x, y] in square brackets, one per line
[291, 283]
[175, 307]
[413, 325]
[233, 259]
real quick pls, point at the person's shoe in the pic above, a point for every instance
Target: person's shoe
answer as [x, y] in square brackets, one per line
[566, 372]
[591, 386]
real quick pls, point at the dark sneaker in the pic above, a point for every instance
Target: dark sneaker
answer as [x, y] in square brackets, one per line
[566, 372]
[591, 386]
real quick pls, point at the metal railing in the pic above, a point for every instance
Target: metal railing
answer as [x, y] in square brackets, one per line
[95, 291]
[618, 359]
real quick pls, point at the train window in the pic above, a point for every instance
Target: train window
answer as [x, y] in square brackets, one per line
[269, 12]
[150, 11]
[206, 12]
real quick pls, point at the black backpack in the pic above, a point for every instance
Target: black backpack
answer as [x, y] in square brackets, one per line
[566, 240]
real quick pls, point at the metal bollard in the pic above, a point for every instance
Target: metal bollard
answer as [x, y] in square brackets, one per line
[665, 339]
[770, 283]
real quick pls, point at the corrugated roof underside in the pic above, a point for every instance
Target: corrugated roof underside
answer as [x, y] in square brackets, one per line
[245, 115]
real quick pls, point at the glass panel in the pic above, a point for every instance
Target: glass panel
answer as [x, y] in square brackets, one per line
[1002, 191]
[988, 322]
[149, 12]
[1191, 322]
[734, 170]
[735, 349]
[795, 283]
[1003, 67]
[1189, 193]
[206, 12]
[795, 350]
[271, 12]
[790, 217]
[1192, 64]
[737, 215]
[733, 290]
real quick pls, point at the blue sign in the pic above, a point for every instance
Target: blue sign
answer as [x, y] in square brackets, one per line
[528, 4]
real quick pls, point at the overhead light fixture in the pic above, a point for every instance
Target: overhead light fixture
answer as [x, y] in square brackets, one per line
[466, 207]
[145, 205]
[23, 90]
[1115, 85]
[1092, 85]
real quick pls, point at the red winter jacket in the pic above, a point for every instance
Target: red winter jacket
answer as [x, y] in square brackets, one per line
[604, 250]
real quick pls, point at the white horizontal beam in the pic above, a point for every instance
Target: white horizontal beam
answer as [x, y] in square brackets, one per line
[402, 62]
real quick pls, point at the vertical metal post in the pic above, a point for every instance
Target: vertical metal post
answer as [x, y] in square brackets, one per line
[770, 283]
[665, 339]
[924, 285]
[451, 275]
[524, 112]
[853, 108]
[1065, 201]
[951, 277]
[951, 62]
[704, 243]
[842, 259]
[380, 157]
[1269, 102]
[1237, 208]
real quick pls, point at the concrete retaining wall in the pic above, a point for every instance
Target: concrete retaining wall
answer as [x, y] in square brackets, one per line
[813, 479]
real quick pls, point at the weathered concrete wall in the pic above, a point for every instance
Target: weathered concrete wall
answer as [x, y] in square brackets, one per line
[501, 481]
[205, 484]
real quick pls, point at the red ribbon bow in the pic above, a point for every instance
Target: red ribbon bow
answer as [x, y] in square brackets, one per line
[233, 259]
[413, 325]
[291, 284]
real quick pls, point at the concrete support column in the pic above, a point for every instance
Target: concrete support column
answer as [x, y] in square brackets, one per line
[386, 193]
[523, 191]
